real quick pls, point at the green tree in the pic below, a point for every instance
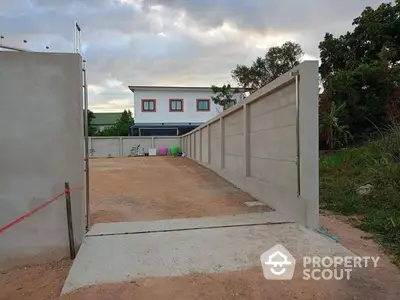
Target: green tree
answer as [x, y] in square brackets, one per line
[224, 95]
[122, 127]
[361, 68]
[91, 129]
[277, 61]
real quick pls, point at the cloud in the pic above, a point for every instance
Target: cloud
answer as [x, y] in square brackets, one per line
[170, 42]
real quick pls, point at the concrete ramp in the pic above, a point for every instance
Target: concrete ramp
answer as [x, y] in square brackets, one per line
[119, 252]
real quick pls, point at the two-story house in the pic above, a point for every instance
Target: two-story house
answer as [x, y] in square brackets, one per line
[163, 110]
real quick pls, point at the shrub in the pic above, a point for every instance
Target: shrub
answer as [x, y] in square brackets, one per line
[389, 143]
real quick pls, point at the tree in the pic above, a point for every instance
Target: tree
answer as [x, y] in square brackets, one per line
[277, 61]
[124, 123]
[361, 68]
[224, 95]
[91, 129]
[121, 127]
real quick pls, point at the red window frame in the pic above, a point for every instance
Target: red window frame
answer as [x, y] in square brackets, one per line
[197, 105]
[149, 100]
[175, 110]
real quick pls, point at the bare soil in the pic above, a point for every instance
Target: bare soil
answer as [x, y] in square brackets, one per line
[135, 189]
[38, 282]
[156, 188]
[45, 281]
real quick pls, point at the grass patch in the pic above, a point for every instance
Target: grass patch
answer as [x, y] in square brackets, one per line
[377, 164]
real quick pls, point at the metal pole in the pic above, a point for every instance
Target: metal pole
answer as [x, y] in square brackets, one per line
[78, 43]
[86, 134]
[69, 221]
[74, 40]
[297, 78]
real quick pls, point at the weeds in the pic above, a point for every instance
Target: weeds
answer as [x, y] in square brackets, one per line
[389, 144]
[377, 164]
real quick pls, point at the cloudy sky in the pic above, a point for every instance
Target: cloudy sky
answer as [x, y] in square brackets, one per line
[170, 42]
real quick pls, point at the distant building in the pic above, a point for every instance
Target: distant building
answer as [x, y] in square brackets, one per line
[164, 110]
[105, 120]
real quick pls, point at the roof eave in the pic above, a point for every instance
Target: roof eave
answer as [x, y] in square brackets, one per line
[172, 88]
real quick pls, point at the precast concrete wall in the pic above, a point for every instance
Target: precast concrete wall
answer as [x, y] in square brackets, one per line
[255, 144]
[204, 144]
[42, 147]
[121, 146]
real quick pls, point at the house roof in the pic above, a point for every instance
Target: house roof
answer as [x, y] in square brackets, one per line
[134, 88]
[106, 118]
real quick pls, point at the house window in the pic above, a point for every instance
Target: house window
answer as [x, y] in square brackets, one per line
[148, 105]
[203, 104]
[175, 104]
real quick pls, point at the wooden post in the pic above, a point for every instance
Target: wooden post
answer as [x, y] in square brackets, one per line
[69, 220]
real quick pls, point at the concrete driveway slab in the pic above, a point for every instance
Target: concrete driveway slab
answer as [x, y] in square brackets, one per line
[265, 218]
[118, 258]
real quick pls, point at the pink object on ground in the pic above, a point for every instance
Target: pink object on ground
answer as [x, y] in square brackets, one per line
[163, 150]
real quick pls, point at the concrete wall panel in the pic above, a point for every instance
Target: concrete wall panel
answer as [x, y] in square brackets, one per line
[235, 164]
[234, 145]
[204, 145]
[276, 172]
[105, 147]
[42, 147]
[260, 144]
[161, 141]
[215, 143]
[192, 146]
[198, 145]
[128, 143]
[277, 143]
[121, 146]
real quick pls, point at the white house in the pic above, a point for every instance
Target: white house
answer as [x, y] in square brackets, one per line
[163, 110]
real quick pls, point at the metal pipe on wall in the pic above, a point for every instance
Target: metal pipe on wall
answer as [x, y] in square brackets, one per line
[86, 134]
[297, 81]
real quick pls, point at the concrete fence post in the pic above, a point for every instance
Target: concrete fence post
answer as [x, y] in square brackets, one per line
[190, 145]
[308, 140]
[209, 144]
[194, 144]
[201, 145]
[121, 145]
[246, 139]
[222, 147]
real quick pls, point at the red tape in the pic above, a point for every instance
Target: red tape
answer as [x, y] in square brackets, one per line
[20, 219]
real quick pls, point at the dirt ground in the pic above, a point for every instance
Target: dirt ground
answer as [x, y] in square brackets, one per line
[124, 189]
[46, 281]
[155, 188]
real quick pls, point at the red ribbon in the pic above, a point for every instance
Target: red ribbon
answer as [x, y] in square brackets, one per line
[20, 219]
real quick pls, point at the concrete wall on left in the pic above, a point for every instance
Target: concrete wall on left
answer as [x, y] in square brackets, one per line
[41, 147]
